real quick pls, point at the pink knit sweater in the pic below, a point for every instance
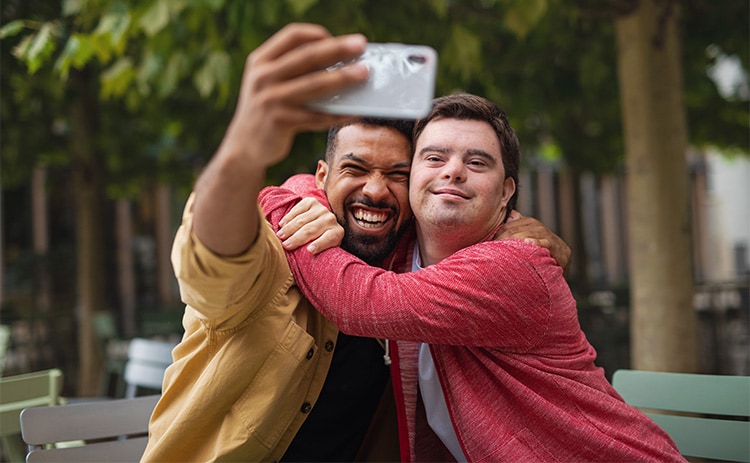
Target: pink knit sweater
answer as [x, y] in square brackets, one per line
[516, 370]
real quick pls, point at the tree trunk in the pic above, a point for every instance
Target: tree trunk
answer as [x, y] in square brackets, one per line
[40, 326]
[40, 233]
[125, 266]
[663, 325]
[87, 176]
[163, 225]
[2, 259]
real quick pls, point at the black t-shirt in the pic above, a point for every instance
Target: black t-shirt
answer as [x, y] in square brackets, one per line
[339, 420]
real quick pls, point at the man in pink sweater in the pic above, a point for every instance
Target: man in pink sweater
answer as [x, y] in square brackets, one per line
[491, 363]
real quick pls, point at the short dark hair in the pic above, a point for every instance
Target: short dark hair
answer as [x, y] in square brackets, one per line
[404, 126]
[472, 107]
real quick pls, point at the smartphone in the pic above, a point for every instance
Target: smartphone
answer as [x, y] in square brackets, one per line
[401, 84]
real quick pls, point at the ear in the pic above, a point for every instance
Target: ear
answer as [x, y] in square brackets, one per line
[509, 187]
[321, 174]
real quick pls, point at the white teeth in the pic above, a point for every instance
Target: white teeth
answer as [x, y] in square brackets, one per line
[370, 218]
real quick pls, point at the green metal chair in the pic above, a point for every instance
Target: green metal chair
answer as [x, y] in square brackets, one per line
[17, 392]
[706, 415]
[91, 432]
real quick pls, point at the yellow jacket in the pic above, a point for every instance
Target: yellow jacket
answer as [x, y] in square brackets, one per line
[251, 363]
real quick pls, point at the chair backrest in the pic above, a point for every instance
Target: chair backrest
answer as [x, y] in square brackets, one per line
[17, 392]
[706, 415]
[147, 360]
[118, 429]
[40, 388]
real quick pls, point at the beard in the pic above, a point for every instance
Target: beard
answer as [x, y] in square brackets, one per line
[371, 249]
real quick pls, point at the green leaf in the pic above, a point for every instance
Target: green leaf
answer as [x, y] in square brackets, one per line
[11, 29]
[117, 78]
[36, 48]
[21, 50]
[522, 15]
[155, 18]
[440, 7]
[40, 42]
[214, 5]
[463, 52]
[550, 151]
[214, 71]
[77, 53]
[150, 66]
[177, 66]
[72, 7]
[114, 25]
[65, 60]
[300, 7]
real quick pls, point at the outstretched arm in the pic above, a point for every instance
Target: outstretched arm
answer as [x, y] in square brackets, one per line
[280, 77]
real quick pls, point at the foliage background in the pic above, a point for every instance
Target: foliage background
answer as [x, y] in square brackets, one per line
[136, 94]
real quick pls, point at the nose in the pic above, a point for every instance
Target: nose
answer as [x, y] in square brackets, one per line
[454, 169]
[376, 188]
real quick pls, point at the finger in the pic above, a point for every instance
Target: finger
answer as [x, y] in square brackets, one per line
[320, 55]
[306, 218]
[329, 239]
[300, 208]
[514, 215]
[315, 85]
[310, 60]
[303, 235]
[518, 231]
[320, 233]
[545, 243]
[288, 38]
[285, 102]
[298, 239]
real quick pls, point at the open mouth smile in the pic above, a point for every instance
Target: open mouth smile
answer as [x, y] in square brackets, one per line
[367, 218]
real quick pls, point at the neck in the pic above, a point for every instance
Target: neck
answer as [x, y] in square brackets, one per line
[437, 243]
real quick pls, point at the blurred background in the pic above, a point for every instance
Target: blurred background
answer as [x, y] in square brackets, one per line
[633, 118]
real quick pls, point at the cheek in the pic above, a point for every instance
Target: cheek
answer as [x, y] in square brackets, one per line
[401, 192]
[336, 198]
[404, 206]
[416, 186]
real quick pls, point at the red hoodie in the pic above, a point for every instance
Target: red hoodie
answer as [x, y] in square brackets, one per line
[516, 370]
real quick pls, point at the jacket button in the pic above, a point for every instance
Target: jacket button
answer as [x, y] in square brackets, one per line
[310, 354]
[306, 407]
[329, 345]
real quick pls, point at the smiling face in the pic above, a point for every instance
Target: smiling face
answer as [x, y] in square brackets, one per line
[366, 181]
[458, 185]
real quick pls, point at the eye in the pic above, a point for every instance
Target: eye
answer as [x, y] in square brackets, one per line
[399, 176]
[477, 163]
[353, 169]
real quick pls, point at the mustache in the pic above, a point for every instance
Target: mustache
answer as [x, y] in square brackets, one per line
[370, 203]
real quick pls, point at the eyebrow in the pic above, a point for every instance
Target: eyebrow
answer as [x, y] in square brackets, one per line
[354, 158]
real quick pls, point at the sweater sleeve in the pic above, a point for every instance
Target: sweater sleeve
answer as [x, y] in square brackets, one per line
[218, 289]
[277, 201]
[489, 294]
